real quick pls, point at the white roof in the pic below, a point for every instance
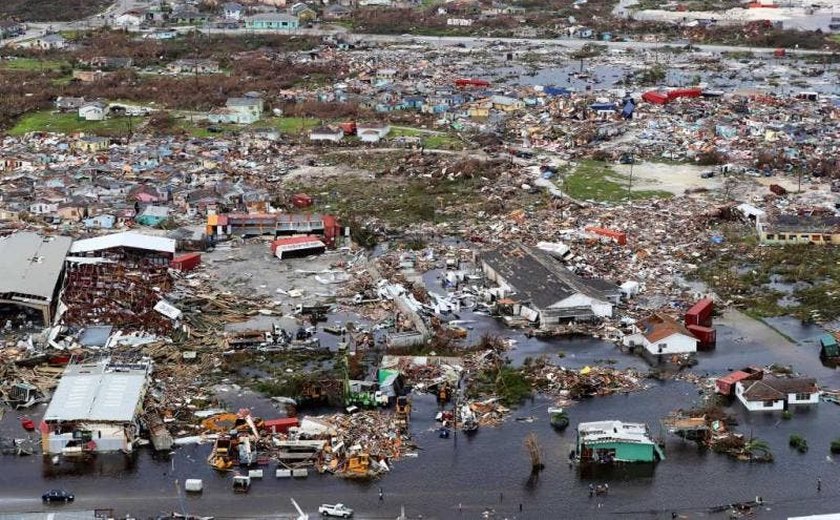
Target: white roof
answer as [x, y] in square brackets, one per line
[613, 430]
[99, 391]
[32, 264]
[127, 239]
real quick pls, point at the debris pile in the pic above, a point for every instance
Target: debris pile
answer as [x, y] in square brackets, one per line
[587, 382]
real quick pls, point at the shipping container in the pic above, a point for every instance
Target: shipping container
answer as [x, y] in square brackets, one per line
[471, 83]
[657, 98]
[706, 335]
[619, 236]
[700, 313]
[726, 385]
[684, 93]
[280, 425]
[186, 262]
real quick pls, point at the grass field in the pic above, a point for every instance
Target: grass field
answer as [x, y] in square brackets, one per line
[32, 64]
[289, 125]
[593, 180]
[432, 141]
[48, 121]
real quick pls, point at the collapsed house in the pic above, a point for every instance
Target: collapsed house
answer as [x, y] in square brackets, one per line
[540, 289]
[277, 224]
[32, 267]
[96, 407]
[118, 280]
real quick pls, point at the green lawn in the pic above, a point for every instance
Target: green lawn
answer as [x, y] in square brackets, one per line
[594, 180]
[32, 64]
[289, 125]
[48, 121]
[432, 141]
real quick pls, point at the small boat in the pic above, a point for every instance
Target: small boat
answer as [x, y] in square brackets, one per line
[28, 424]
[558, 418]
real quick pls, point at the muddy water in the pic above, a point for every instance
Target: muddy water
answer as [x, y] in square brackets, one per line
[490, 469]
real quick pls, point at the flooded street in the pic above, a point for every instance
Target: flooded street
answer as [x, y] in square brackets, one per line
[491, 470]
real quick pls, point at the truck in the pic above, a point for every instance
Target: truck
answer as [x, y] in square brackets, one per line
[337, 510]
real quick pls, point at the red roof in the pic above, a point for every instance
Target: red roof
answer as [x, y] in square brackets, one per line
[282, 421]
[293, 241]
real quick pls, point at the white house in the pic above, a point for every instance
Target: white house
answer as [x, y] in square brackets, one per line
[326, 133]
[51, 41]
[661, 335]
[94, 111]
[372, 133]
[232, 11]
[773, 394]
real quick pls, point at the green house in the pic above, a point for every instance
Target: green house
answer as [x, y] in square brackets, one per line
[272, 22]
[616, 441]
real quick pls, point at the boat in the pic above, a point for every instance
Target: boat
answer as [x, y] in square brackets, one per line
[28, 424]
[558, 418]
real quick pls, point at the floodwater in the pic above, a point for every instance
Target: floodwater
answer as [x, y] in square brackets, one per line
[464, 476]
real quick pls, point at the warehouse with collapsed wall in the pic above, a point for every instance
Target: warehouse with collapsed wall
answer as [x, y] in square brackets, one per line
[32, 266]
[540, 289]
[96, 407]
[117, 280]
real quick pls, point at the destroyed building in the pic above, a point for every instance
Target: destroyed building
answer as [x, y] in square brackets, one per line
[541, 289]
[117, 280]
[32, 267]
[96, 407]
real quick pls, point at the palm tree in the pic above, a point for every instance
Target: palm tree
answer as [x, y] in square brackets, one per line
[756, 446]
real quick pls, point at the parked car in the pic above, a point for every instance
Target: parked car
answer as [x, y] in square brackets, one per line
[707, 175]
[57, 495]
[339, 510]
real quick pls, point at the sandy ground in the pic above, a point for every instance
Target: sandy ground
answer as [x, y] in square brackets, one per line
[675, 178]
[249, 269]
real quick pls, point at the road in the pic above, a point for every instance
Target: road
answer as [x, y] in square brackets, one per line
[121, 6]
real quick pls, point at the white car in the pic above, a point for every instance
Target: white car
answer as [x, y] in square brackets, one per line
[339, 510]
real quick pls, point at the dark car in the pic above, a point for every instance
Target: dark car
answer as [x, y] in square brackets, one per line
[57, 495]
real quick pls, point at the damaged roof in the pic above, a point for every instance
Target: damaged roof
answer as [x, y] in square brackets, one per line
[659, 326]
[100, 391]
[539, 278]
[31, 264]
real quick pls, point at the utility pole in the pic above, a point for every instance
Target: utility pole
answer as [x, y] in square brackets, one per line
[630, 180]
